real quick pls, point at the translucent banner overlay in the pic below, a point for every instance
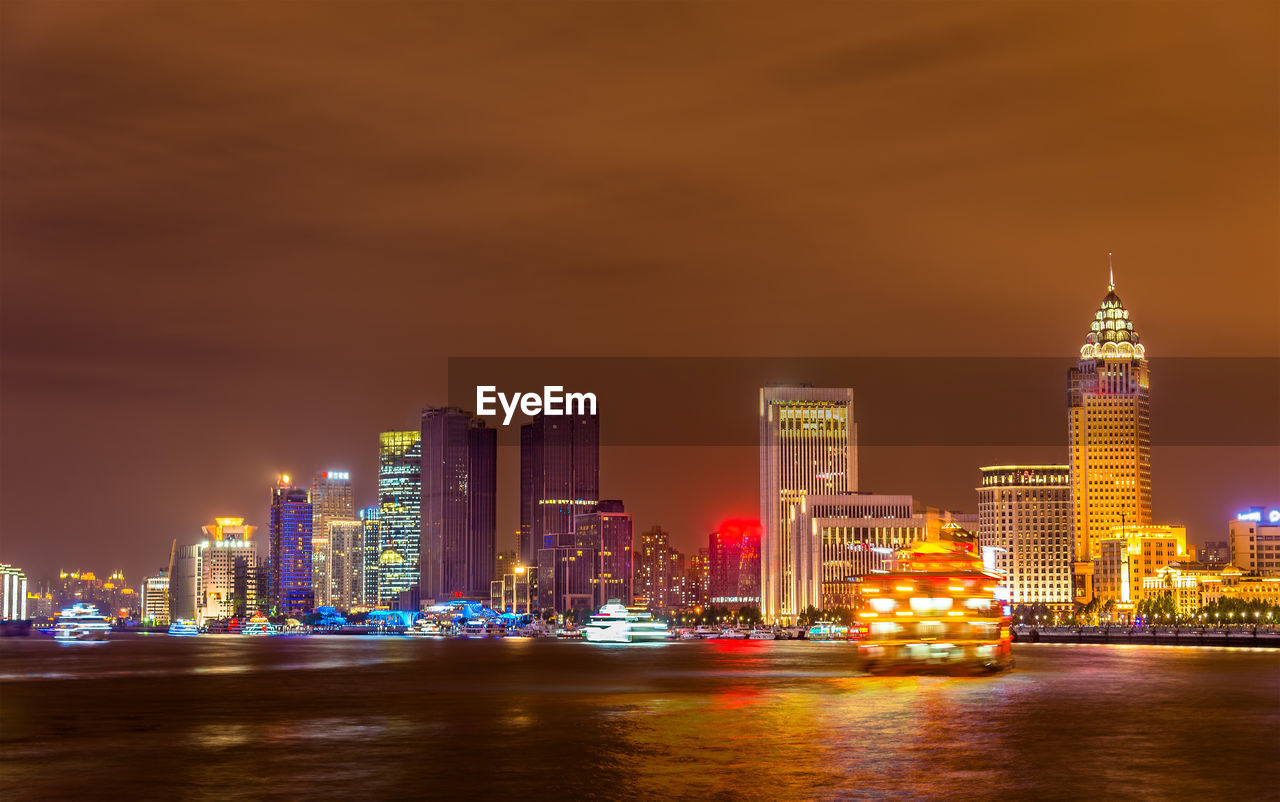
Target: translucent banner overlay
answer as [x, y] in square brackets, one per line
[700, 401]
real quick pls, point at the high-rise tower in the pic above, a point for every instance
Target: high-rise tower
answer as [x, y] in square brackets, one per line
[289, 560]
[1109, 431]
[559, 477]
[808, 444]
[399, 512]
[332, 499]
[459, 504]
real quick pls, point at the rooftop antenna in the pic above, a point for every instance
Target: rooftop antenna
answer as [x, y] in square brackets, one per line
[1111, 274]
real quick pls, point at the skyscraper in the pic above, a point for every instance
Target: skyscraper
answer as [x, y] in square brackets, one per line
[808, 444]
[289, 560]
[228, 569]
[459, 504]
[559, 477]
[608, 531]
[346, 558]
[659, 574]
[1109, 431]
[1024, 513]
[733, 565]
[332, 498]
[399, 512]
[371, 535]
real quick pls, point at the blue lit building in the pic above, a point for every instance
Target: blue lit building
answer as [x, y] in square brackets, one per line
[399, 512]
[289, 559]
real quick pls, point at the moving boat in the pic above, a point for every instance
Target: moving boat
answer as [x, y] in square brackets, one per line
[81, 622]
[616, 624]
[259, 626]
[184, 627]
[827, 630]
[939, 610]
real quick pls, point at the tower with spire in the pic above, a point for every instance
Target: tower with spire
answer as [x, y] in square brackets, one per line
[1109, 430]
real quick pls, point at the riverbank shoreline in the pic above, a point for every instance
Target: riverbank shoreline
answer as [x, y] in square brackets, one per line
[1124, 635]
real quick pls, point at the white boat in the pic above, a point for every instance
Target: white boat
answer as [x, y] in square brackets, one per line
[184, 627]
[827, 630]
[616, 624]
[762, 633]
[425, 628]
[482, 628]
[81, 622]
[729, 633]
[703, 633]
[259, 626]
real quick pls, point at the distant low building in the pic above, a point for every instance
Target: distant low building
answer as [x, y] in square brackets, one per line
[1254, 536]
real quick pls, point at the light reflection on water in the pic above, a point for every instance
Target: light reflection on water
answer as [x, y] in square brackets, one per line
[384, 718]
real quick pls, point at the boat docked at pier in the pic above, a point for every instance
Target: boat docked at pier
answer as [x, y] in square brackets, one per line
[81, 622]
[938, 610]
[427, 628]
[259, 626]
[617, 624]
[184, 627]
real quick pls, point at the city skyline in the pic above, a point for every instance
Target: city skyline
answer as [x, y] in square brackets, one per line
[108, 353]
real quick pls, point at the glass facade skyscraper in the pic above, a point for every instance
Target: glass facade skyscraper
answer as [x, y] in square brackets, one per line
[608, 532]
[399, 512]
[459, 504]
[289, 560]
[559, 477]
[332, 499]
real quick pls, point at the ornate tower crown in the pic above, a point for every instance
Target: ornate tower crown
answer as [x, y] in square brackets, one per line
[1111, 333]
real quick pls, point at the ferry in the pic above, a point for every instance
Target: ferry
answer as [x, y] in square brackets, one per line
[184, 627]
[827, 630]
[616, 624]
[730, 633]
[259, 626]
[938, 610]
[81, 622]
[762, 633]
[482, 628]
[426, 628]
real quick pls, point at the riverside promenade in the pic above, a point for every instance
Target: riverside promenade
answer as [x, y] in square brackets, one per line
[1246, 637]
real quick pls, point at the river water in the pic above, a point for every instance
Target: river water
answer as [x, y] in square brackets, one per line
[226, 717]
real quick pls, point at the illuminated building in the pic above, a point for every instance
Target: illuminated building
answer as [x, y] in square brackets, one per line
[13, 594]
[659, 572]
[841, 537]
[1109, 432]
[332, 498]
[559, 476]
[607, 531]
[513, 591]
[698, 579]
[1216, 552]
[808, 444]
[1025, 518]
[289, 558]
[1133, 554]
[566, 575]
[372, 544]
[459, 504]
[346, 561]
[155, 599]
[1233, 584]
[217, 577]
[733, 565]
[1184, 582]
[399, 512]
[1254, 536]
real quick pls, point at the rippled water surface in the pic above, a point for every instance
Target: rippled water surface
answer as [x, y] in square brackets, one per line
[225, 717]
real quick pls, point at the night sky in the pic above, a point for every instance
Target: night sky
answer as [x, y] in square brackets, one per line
[241, 239]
